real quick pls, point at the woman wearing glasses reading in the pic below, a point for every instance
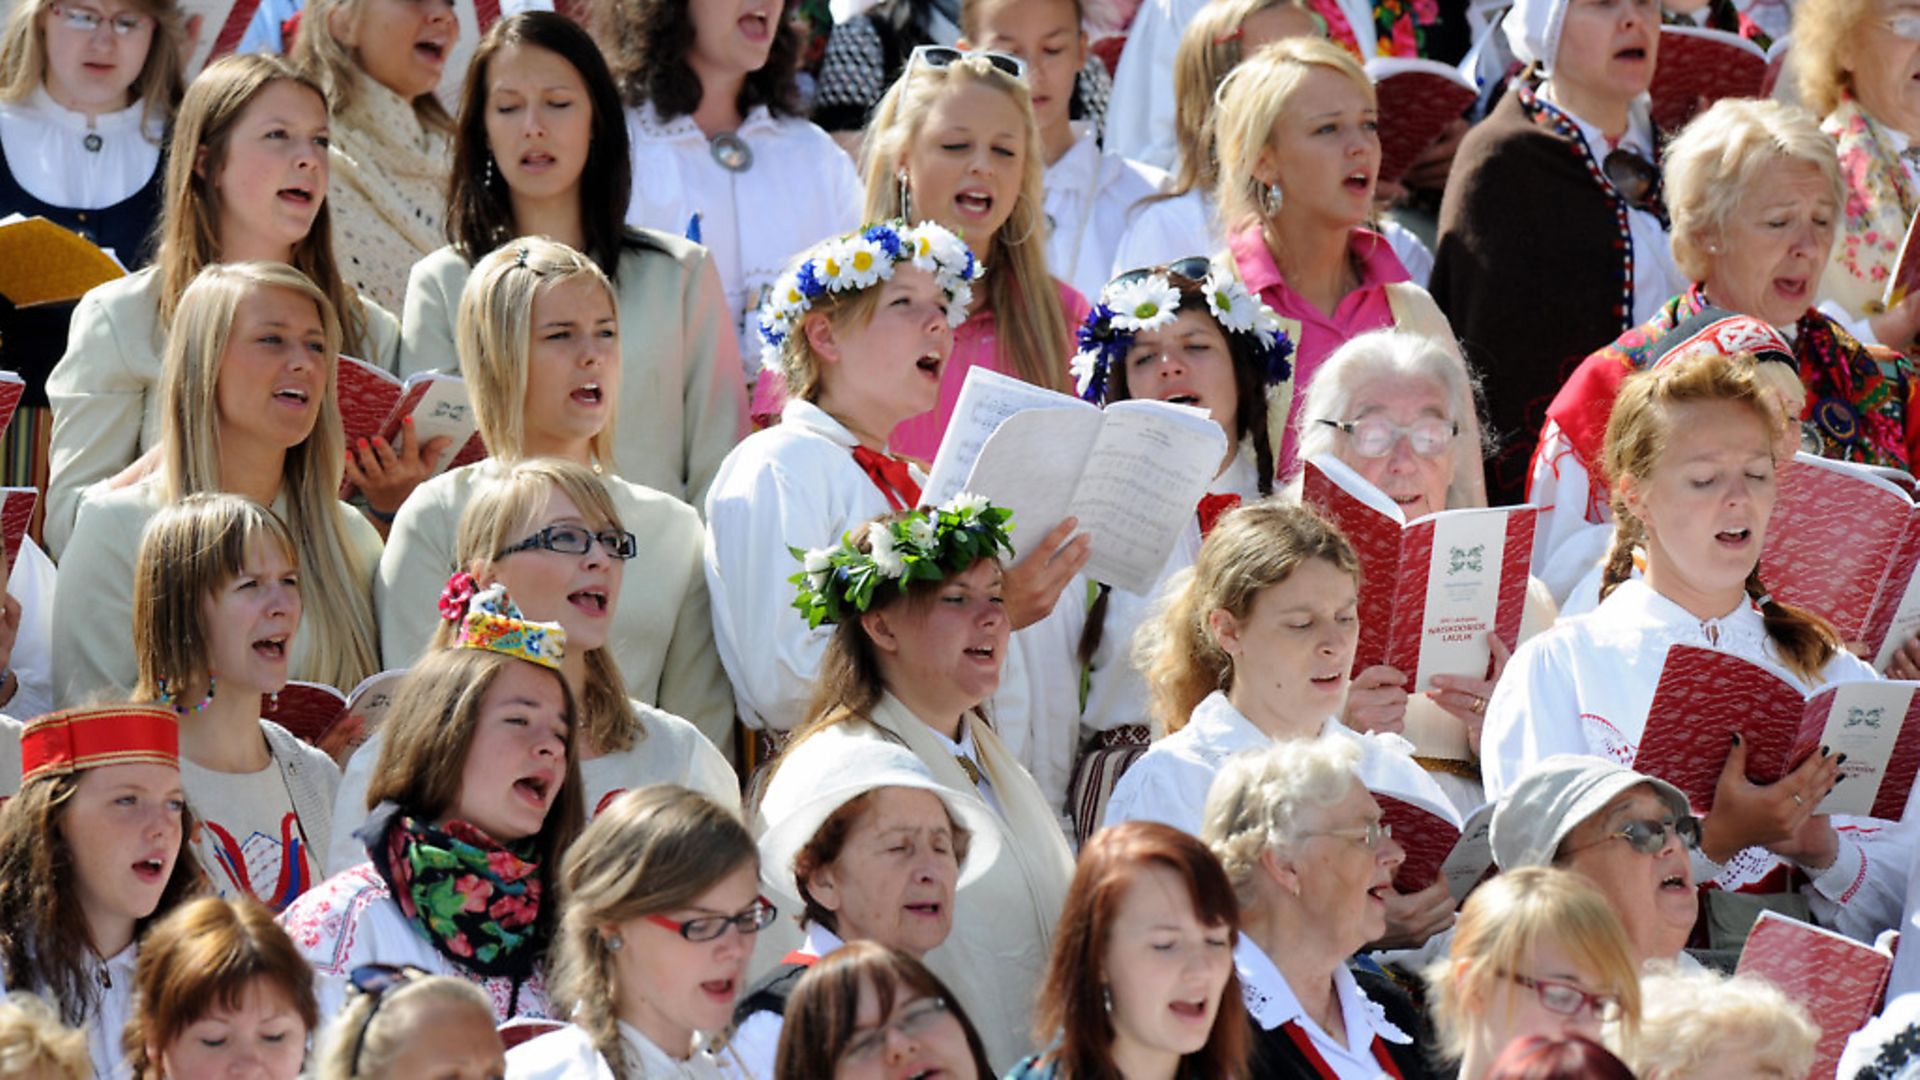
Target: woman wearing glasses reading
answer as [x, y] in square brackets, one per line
[1553, 235]
[1756, 195]
[539, 341]
[1537, 952]
[1304, 848]
[475, 797]
[662, 905]
[1691, 453]
[548, 530]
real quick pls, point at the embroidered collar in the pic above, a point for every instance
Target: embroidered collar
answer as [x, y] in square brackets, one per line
[681, 129]
[1271, 1002]
[645, 1058]
[39, 107]
[1634, 603]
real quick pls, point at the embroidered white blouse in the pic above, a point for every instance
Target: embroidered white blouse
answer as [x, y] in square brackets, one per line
[1090, 196]
[1584, 687]
[801, 188]
[1271, 1003]
[1169, 783]
[45, 145]
[569, 1054]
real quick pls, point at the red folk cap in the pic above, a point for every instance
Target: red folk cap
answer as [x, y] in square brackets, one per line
[75, 739]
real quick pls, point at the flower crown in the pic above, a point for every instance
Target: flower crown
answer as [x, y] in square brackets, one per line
[924, 545]
[1128, 307]
[488, 619]
[861, 260]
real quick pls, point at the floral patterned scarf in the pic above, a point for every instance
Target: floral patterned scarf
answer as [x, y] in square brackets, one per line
[476, 900]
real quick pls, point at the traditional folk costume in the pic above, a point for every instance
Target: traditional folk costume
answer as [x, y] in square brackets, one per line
[1288, 1044]
[1584, 687]
[1883, 194]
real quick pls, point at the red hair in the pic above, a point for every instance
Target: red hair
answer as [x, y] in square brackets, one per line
[1072, 1000]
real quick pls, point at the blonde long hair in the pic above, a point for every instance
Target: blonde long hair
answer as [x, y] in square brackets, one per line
[500, 513]
[189, 226]
[652, 850]
[23, 58]
[1637, 434]
[1250, 549]
[494, 337]
[321, 57]
[1251, 101]
[1020, 291]
[190, 550]
[341, 624]
[1210, 48]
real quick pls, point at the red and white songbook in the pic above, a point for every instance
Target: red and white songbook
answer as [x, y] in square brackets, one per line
[1705, 696]
[1843, 543]
[1431, 588]
[373, 402]
[16, 513]
[1699, 66]
[324, 717]
[1437, 846]
[1418, 99]
[1839, 981]
[12, 388]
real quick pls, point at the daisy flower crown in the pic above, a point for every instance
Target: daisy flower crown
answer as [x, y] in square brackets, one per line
[860, 261]
[925, 545]
[1148, 300]
[489, 619]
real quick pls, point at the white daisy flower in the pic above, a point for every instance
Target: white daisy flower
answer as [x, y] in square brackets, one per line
[819, 567]
[886, 557]
[962, 299]
[1147, 304]
[863, 263]
[966, 504]
[1083, 366]
[921, 532]
[1232, 307]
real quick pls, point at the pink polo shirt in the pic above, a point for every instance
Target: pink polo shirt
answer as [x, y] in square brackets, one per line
[1365, 308]
[974, 342]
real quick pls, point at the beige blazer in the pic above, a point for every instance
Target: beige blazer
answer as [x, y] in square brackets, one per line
[105, 391]
[996, 955]
[93, 601]
[683, 400]
[662, 630]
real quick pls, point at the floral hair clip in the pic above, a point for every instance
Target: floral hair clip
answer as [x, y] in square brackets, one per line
[520, 256]
[455, 596]
[924, 545]
[861, 260]
[1142, 300]
[492, 621]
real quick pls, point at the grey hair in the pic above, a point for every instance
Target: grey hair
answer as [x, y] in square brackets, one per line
[1267, 799]
[1396, 355]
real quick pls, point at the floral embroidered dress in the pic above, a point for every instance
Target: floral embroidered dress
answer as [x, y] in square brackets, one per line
[1880, 202]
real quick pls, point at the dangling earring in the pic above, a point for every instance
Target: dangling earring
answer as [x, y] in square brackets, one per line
[167, 698]
[906, 199]
[1106, 998]
[273, 701]
[1271, 199]
[487, 183]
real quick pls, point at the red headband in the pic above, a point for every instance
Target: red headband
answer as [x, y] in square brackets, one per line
[76, 739]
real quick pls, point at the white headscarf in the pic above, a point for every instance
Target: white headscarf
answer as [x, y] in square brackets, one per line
[1533, 31]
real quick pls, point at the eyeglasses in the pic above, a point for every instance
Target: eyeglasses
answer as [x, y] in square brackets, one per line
[376, 979]
[910, 1021]
[1569, 1000]
[1194, 268]
[945, 56]
[1374, 436]
[87, 20]
[1371, 835]
[1904, 26]
[1648, 836]
[576, 540]
[1633, 176]
[709, 927]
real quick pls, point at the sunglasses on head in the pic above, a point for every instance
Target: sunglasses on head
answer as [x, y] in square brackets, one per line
[375, 980]
[945, 56]
[1193, 268]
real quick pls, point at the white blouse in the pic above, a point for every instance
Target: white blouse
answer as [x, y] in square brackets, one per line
[800, 188]
[46, 148]
[569, 1054]
[1271, 1002]
[1584, 687]
[1090, 197]
[1169, 783]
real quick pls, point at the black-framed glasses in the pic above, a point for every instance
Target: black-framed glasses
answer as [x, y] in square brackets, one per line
[576, 540]
[911, 1021]
[1570, 1000]
[1374, 436]
[1634, 177]
[945, 56]
[376, 980]
[87, 20]
[708, 927]
[1194, 268]
[1648, 836]
[1370, 836]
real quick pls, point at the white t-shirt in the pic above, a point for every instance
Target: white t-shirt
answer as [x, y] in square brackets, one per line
[250, 842]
